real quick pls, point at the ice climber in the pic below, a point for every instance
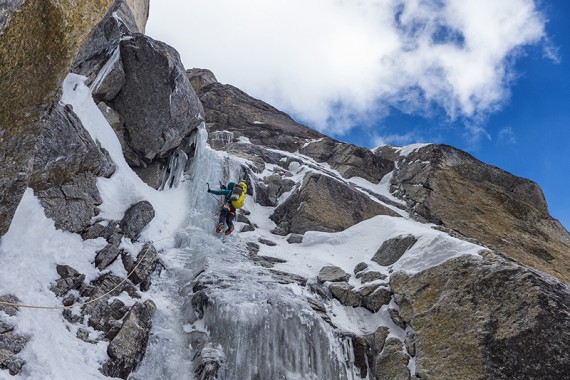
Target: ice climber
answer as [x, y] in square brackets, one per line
[234, 198]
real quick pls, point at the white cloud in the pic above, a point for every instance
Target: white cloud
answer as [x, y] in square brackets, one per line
[507, 136]
[395, 139]
[334, 63]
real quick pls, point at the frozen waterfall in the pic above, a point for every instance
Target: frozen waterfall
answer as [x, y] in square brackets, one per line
[219, 312]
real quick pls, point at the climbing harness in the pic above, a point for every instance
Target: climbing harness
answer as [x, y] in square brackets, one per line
[90, 301]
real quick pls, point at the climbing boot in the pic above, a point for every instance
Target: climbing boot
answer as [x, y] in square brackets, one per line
[219, 228]
[230, 230]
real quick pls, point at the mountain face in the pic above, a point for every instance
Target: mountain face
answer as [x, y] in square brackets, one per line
[398, 263]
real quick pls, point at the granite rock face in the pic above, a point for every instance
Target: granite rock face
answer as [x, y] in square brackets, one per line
[140, 9]
[32, 31]
[477, 318]
[446, 186]
[392, 362]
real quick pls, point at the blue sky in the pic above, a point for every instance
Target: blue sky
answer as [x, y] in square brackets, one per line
[529, 136]
[489, 77]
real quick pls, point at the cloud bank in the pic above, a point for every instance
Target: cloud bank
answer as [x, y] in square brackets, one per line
[338, 63]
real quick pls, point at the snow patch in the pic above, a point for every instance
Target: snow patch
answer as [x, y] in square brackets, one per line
[408, 149]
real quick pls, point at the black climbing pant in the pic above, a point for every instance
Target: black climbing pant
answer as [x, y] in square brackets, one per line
[227, 215]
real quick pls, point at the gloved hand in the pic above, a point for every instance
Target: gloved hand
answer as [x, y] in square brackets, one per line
[209, 191]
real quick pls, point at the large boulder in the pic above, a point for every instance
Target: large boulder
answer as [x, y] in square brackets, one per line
[30, 32]
[228, 108]
[157, 102]
[446, 186]
[486, 318]
[147, 96]
[324, 204]
[332, 273]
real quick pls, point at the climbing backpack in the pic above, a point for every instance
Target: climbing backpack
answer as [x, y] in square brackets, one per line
[237, 198]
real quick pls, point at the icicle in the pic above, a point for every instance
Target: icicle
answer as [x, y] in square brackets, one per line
[175, 169]
[105, 70]
[179, 163]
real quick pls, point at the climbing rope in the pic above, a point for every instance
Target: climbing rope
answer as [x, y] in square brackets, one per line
[94, 299]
